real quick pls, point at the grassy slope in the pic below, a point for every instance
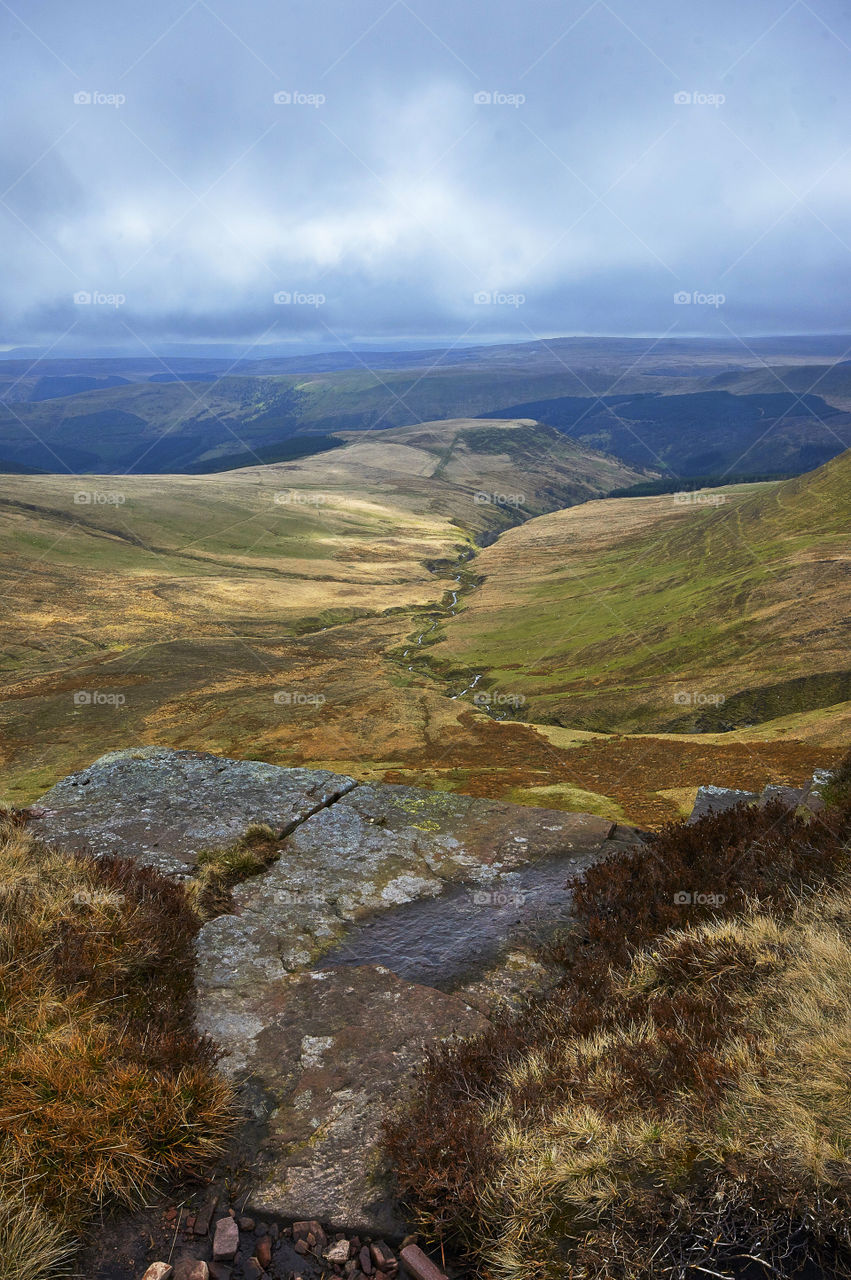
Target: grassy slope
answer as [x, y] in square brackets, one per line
[601, 615]
[198, 598]
[677, 1102]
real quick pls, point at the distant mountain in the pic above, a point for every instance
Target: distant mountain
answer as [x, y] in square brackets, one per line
[692, 406]
[706, 432]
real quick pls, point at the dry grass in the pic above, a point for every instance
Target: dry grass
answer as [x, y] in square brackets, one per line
[622, 1172]
[105, 1090]
[32, 1246]
[681, 1102]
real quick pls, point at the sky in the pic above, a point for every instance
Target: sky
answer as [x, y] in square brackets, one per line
[329, 172]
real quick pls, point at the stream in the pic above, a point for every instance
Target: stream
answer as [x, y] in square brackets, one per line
[449, 612]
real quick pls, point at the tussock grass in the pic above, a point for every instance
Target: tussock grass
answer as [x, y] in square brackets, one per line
[219, 870]
[105, 1089]
[681, 1102]
[32, 1246]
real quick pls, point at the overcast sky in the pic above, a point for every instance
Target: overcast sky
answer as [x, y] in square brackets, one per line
[432, 169]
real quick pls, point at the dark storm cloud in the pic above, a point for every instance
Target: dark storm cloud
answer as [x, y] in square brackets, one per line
[428, 168]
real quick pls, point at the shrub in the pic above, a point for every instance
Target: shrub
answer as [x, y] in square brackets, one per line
[630, 1122]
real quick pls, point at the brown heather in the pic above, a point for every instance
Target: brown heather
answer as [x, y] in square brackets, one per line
[105, 1091]
[680, 1103]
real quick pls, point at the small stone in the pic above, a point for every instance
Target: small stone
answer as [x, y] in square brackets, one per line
[189, 1224]
[204, 1216]
[226, 1240]
[263, 1251]
[220, 1271]
[383, 1256]
[301, 1230]
[302, 1247]
[252, 1270]
[420, 1267]
[274, 1231]
[318, 1233]
[338, 1252]
[170, 1213]
[366, 1261]
[191, 1269]
[158, 1271]
[246, 1224]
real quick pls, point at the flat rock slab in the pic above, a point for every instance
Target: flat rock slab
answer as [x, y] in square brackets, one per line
[320, 1029]
[333, 1049]
[163, 807]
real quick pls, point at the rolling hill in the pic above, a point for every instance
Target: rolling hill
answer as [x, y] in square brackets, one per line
[181, 605]
[694, 406]
[675, 613]
[708, 432]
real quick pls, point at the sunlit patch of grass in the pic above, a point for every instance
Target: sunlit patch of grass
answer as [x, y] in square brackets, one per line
[33, 1246]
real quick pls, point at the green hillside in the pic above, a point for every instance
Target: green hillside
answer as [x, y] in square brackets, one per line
[659, 613]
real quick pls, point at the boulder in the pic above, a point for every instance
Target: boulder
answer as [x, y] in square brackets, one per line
[711, 800]
[163, 807]
[394, 917]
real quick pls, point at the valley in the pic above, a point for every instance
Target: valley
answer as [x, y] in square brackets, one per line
[448, 605]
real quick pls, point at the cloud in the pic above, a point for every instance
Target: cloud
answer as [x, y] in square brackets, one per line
[419, 155]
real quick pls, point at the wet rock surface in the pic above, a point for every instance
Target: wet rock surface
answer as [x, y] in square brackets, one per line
[394, 917]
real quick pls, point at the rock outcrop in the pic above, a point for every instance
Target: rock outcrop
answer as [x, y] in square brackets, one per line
[711, 799]
[393, 917]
